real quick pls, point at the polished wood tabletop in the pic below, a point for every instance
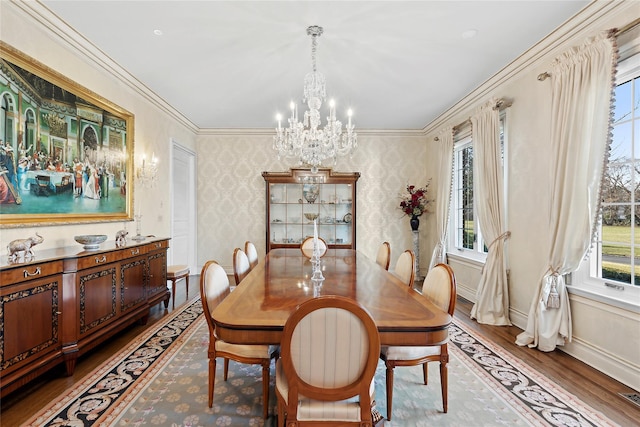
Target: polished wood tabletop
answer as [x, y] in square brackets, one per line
[256, 311]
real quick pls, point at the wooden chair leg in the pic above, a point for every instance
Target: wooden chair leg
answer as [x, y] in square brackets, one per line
[444, 376]
[444, 380]
[425, 372]
[265, 388]
[187, 280]
[226, 368]
[281, 412]
[389, 391]
[212, 379]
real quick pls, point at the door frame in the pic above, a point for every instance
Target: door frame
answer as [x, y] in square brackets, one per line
[193, 202]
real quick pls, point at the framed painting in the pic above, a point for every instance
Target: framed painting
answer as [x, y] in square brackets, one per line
[66, 153]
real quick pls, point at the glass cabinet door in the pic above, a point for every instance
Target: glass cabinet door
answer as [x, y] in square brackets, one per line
[294, 202]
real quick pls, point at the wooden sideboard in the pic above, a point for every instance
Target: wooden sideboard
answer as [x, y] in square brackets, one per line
[65, 301]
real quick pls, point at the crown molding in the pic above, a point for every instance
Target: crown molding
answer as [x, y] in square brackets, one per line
[271, 132]
[57, 29]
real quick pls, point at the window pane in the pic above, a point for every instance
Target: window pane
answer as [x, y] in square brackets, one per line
[622, 109]
[618, 184]
[614, 216]
[621, 143]
[616, 262]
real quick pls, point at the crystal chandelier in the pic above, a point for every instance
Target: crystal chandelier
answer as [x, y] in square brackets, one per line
[304, 140]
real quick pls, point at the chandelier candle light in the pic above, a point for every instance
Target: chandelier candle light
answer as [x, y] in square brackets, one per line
[303, 140]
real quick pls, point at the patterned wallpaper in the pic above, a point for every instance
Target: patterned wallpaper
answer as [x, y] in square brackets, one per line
[231, 192]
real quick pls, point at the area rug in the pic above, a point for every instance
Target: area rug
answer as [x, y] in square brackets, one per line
[161, 380]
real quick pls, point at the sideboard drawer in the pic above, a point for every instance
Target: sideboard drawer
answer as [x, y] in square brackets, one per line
[25, 272]
[135, 251]
[98, 259]
[164, 244]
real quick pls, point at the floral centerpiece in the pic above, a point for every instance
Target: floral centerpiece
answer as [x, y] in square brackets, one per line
[415, 203]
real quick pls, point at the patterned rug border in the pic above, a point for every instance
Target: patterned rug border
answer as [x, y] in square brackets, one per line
[190, 313]
[540, 400]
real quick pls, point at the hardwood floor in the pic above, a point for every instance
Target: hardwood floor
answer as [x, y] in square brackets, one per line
[597, 390]
[591, 386]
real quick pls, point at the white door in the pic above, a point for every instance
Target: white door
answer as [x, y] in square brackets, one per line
[182, 248]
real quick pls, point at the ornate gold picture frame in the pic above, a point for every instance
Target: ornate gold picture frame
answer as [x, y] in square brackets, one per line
[66, 153]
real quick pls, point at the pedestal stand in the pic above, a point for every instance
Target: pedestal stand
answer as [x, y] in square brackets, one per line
[416, 252]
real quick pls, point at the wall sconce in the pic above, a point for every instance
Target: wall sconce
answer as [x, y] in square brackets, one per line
[147, 171]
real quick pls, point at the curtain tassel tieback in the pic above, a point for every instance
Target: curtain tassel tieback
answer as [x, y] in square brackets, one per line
[503, 236]
[553, 299]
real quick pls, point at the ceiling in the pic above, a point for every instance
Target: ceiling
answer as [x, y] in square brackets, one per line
[236, 64]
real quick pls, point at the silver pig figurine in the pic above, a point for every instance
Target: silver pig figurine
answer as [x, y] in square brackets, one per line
[24, 246]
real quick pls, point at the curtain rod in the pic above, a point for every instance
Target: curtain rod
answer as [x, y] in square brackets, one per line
[501, 104]
[615, 32]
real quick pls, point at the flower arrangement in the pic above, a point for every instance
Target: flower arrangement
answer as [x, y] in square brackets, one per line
[416, 202]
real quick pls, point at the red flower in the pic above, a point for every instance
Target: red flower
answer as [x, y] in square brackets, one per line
[416, 202]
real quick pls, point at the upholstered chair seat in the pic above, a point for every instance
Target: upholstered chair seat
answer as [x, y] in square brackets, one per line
[309, 409]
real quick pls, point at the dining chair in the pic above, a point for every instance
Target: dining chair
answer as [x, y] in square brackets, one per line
[241, 266]
[384, 255]
[405, 269]
[252, 253]
[214, 288]
[329, 347]
[440, 288]
[307, 247]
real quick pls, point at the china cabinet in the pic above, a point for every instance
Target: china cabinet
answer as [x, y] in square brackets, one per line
[297, 197]
[75, 299]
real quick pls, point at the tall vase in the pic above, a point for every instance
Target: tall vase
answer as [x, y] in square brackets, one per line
[415, 222]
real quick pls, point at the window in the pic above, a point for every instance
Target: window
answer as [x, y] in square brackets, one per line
[618, 244]
[464, 214]
[614, 263]
[465, 235]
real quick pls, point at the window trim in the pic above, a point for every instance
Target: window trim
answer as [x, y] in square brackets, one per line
[463, 140]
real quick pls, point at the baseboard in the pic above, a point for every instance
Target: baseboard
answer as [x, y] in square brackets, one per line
[604, 362]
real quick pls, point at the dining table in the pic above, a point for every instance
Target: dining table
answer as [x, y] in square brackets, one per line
[256, 311]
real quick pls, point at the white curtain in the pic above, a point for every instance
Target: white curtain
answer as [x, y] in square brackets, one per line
[492, 296]
[582, 85]
[444, 154]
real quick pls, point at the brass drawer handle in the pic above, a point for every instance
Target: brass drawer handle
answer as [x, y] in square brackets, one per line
[158, 245]
[35, 273]
[135, 251]
[103, 259]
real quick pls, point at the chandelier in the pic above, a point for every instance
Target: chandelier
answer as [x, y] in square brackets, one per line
[304, 140]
